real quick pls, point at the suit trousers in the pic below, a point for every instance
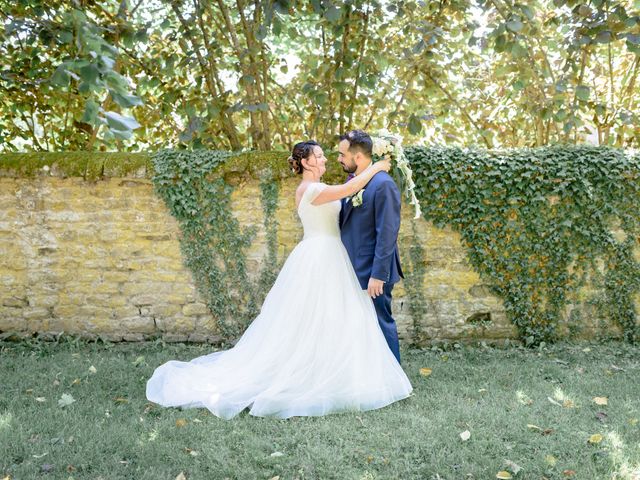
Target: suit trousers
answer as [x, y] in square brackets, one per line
[386, 321]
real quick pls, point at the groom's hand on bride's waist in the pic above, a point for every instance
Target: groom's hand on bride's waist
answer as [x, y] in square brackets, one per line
[375, 287]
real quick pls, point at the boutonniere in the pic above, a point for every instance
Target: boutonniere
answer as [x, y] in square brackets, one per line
[356, 199]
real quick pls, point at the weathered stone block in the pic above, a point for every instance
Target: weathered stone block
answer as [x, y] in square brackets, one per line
[136, 324]
[193, 309]
[146, 299]
[30, 313]
[18, 302]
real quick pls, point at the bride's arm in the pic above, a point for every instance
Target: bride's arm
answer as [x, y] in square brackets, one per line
[357, 183]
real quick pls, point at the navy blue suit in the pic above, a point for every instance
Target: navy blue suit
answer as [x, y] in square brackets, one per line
[370, 234]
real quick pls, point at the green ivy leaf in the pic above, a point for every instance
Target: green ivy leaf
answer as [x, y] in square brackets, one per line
[415, 126]
[582, 93]
[518, 50]
[120, 122]
[125, 101]
[91, 109]
[514, 25]
[61, 76]
[332, 14]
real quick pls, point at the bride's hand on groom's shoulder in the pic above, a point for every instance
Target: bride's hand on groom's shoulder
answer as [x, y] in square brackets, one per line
[384, 165]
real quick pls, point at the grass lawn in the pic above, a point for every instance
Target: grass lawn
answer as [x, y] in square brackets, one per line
[530, 413]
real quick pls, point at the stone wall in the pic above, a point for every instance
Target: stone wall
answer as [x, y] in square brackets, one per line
[102, 258]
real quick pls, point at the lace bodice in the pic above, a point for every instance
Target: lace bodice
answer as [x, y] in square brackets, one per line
[318, 219]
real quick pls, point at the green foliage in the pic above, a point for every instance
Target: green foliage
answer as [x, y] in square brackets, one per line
[270, 190]
[620, 283]
[414, 285]
[218, 75]
[534, 219]
[63, 80]
[88, 165]
[492, 392]
[213, 243]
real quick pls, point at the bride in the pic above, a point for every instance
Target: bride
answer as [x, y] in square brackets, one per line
[316, 346]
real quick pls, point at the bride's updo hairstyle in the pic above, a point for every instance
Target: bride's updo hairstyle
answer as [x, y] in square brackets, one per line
[300, 151]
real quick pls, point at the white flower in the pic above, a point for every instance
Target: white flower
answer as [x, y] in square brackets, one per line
[356, 200]
[386, 143]
[381, 147]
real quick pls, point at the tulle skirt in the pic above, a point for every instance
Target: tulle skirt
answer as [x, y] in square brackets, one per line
[315, 348]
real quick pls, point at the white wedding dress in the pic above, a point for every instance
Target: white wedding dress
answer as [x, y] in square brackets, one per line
[315, 348]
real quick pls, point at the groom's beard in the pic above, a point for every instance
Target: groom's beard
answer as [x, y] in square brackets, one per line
[350, 169]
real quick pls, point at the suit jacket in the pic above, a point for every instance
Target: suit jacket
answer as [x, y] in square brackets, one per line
[370, 231]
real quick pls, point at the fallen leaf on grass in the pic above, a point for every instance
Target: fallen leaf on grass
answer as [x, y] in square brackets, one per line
[600, 400]
[568, 473]
[514, 467]
[276, 454]
[191, 452]
[277, 477]
[8, 477]
[551, 460]
[76, 381]
[425, 372]
[181, 476]
[181, 422]
[41, 455]
[41, 399]
[523, 398]
[554, 402]
[543, 431]
[595, 438]
[138, 360]
[560, 396]
[92, 369]
[56, 382]
[65, 400]
[121, 400]
[466, 435]
[503, 475]
[633, 421]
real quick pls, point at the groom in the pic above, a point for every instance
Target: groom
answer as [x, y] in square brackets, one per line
[369, 230]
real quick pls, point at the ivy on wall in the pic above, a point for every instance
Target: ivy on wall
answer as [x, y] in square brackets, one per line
[537, 224]
[212, 243]
[534, 221]
[196, 187]
[414, 285]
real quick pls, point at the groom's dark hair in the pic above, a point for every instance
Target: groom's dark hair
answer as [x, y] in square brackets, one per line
[359, 141]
